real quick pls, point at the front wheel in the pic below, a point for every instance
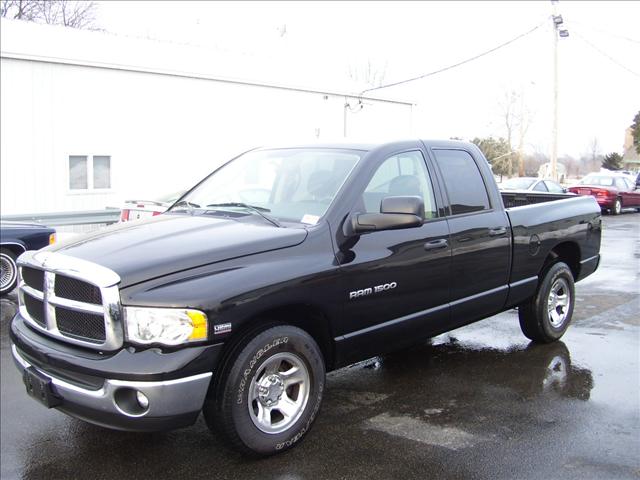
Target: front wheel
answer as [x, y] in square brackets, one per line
[270, 391]
[546, 316]
[8, 271]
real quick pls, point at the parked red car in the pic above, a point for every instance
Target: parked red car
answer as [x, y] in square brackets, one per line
[612, 192]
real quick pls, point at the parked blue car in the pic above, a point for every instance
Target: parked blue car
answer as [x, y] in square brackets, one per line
[16, 238]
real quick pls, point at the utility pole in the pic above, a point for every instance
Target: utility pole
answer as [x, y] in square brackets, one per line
[557, 31]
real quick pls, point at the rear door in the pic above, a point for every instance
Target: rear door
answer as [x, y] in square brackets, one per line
[480, 237]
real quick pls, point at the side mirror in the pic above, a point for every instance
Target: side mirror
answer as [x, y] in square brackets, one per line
[395, 213]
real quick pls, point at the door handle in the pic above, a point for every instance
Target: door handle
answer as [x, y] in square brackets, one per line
[436, 244]
[494, 232]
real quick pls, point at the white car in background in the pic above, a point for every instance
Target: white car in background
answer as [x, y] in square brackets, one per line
[138, 209]
[532, 184]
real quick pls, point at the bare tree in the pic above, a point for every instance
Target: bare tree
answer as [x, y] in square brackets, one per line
[594, 154]
[592, 158]
[507, 106]
[594, 150]
[524, 120]
[20, 9]
[516, 119]
[75, 14]
[368, 74]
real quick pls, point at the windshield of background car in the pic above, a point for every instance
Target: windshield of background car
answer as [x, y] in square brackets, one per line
[597, 180]
[295, 185]
[170, 197]
[517, 183]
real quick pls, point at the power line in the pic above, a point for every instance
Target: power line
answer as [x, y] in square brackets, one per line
[599, 30]
[475, 57]
[607, 55]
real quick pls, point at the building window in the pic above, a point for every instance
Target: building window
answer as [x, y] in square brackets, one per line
[89, 173]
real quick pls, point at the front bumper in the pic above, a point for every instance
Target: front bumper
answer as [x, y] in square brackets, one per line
[83, 384]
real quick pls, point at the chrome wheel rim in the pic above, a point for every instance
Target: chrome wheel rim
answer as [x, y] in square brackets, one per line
[278, 393]
[558, 302]
[7, 272]
[618, 206]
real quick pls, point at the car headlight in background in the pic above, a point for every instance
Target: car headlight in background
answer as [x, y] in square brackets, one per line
[168, 326]
[52, 239]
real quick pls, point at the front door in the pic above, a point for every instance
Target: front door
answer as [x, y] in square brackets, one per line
[396, 282]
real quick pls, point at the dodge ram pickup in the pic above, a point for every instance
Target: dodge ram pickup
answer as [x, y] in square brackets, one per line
[281, 265]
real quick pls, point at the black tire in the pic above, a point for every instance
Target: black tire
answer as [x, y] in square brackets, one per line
[537, 321]
[236, 394]
[617, 207]
[8, 271]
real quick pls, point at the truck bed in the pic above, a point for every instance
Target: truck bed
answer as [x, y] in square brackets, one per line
[521, 198]
[536, 228]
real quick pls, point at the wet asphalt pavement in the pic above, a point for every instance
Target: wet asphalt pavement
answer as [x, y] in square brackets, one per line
[479, 402]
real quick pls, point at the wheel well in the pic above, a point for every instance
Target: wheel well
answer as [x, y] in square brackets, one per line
[15, 248]
[306, 317]
[569, 253]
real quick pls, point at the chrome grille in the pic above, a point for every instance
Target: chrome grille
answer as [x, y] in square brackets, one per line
[34, 278]
[35, 308]
[71, 299]
[73, 289]
[85, 326]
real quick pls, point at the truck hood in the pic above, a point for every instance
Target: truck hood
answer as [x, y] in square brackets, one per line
[142, 250]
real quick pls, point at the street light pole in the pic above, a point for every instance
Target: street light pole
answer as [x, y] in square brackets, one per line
[557, 31]
[554, 132]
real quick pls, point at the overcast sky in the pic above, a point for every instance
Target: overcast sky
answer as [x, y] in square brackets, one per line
[323, 41]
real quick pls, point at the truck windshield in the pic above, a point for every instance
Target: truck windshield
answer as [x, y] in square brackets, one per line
[292, 185]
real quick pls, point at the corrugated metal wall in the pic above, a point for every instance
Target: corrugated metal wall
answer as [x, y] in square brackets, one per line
[162, 132]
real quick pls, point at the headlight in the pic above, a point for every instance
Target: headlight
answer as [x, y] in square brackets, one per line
[169, 326]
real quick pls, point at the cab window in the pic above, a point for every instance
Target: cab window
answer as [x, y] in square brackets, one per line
[463, 181]
[404, 174]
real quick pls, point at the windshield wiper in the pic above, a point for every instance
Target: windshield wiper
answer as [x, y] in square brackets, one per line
[259, 210]
[190, 206]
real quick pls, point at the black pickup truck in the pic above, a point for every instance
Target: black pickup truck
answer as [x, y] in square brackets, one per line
[279, 266]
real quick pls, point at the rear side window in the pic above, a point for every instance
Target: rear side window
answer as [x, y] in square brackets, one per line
[463, 181]
[540, 187]
[621, 184]
[554, 187]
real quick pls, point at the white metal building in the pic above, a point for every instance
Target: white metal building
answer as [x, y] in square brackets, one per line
[89, 119]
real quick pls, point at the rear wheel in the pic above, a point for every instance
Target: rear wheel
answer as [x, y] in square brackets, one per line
[270, 391]
[546, 316]
[8, 271]
[617, 207]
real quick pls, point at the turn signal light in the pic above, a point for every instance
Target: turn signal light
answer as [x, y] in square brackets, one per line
[199, 322]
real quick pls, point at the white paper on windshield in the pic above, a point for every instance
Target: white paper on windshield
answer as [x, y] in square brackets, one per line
[310, 219]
